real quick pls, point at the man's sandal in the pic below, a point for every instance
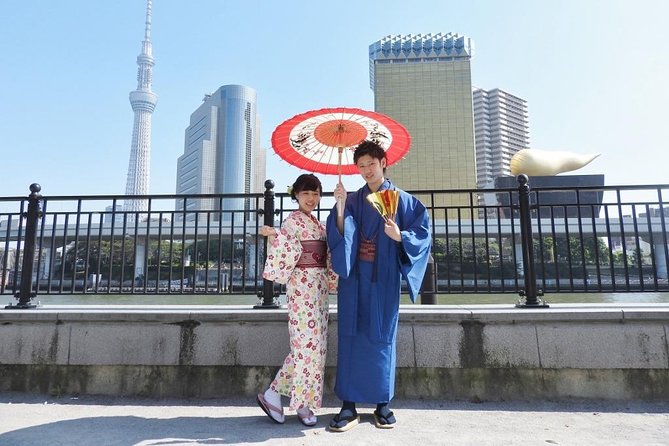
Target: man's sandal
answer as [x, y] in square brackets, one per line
[387, 422]
[344, 421]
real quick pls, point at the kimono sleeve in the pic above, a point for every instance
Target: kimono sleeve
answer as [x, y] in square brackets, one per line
[416, 243]
[343, 247]
[333, 278]
[283, 253]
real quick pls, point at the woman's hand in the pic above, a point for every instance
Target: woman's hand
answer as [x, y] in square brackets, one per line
[267, 231]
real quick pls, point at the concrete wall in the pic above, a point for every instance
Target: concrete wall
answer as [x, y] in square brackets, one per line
[481, 352]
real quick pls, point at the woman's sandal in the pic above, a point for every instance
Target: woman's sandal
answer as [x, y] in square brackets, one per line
[344, 420]
[387, 422]
[268, 408]
[309, 419]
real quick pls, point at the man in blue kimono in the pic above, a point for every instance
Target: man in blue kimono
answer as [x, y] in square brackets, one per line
[371, 256]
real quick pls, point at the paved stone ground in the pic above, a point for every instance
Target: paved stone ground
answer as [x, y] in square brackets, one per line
[28, 419]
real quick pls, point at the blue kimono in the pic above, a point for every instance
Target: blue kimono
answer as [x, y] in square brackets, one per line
[368, 295]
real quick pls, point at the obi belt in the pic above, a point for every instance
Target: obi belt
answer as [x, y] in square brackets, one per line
[314, 254]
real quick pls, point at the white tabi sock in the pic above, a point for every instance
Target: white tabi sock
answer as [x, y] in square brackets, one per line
[272, 397]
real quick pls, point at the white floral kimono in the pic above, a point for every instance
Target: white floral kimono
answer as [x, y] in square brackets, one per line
[307, 289]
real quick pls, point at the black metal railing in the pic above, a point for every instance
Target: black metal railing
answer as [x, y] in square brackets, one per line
[92, 245]
[517, 240]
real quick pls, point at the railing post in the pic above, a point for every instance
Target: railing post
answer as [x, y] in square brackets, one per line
[427, 289]
[529, 275]
[26, 294]
[268, 295]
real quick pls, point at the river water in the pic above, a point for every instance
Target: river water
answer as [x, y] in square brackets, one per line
[227, 299]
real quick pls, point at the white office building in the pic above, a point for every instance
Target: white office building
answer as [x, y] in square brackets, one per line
[500, 130]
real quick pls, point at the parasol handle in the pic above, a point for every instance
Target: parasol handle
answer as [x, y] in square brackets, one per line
[340, 205]
[340, 150]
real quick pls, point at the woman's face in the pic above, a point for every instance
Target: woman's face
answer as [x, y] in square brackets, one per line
[308, 200]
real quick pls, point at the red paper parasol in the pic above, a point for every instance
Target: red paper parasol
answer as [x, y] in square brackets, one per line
[323, 141]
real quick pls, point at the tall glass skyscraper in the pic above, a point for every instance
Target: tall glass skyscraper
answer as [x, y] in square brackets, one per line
[501, 129]
[221, 150]
[424, 82]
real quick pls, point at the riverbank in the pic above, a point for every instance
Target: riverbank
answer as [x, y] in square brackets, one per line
[471, 352]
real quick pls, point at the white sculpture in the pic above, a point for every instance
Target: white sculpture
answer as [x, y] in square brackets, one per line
[534, 162]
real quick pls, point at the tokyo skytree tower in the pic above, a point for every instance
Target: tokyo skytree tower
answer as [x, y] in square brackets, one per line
[143, 102]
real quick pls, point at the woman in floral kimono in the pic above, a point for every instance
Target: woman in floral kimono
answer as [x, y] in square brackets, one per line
[297, 256]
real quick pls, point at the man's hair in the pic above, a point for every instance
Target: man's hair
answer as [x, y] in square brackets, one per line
[306, 181]
[370, 148]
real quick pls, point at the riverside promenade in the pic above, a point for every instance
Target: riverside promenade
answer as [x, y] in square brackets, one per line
[588, 374]
[33, 419]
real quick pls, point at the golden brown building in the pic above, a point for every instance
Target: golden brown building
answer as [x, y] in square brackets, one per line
[424, 82]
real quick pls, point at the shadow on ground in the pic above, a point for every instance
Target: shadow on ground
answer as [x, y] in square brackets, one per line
[126, 430]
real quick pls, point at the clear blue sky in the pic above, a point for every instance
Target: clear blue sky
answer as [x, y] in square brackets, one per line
[594, 74]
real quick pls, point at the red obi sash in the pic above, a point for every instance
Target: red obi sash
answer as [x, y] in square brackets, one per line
[367, 251]
[314, 254]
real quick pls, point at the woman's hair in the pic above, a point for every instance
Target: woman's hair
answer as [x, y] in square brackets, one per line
[370, 148]
[306, 181]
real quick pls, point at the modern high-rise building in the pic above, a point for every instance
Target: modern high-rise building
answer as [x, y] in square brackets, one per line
[424, 82]
[143, 102]
[221, 151]
[501, 129]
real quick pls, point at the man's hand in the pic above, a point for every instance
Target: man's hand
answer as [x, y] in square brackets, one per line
[340, 197]
[392, 230]
[340, 194]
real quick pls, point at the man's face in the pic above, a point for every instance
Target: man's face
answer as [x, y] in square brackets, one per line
[371, 169]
